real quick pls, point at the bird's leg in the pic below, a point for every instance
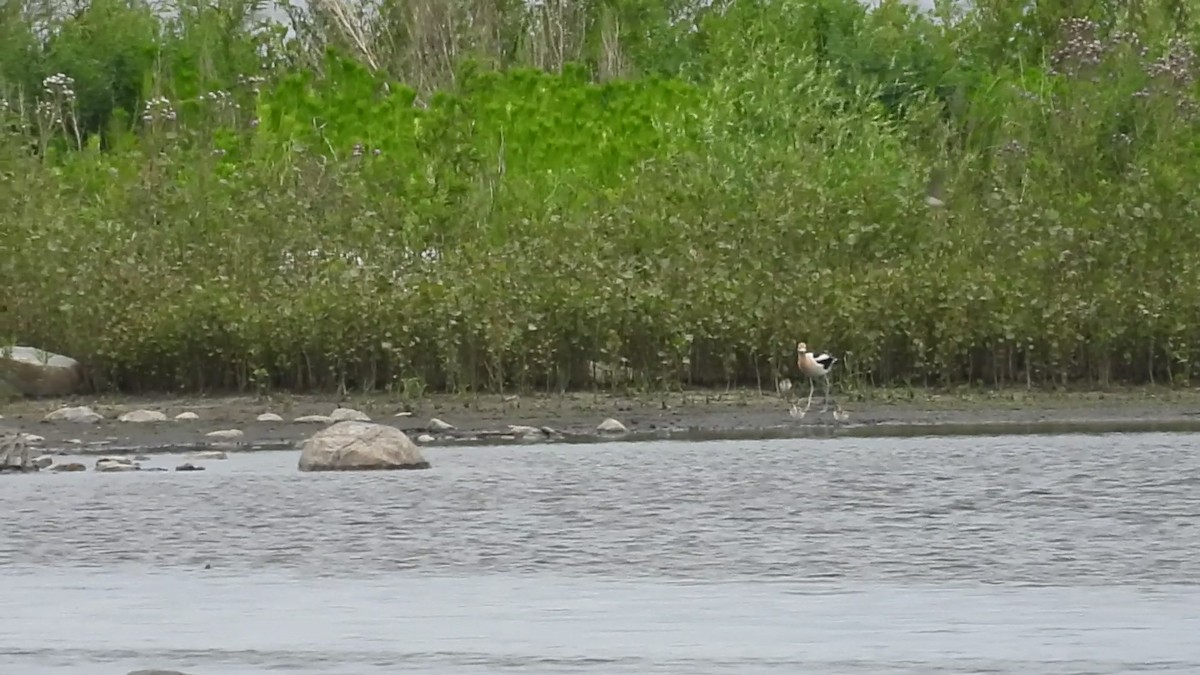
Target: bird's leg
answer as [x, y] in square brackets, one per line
[811, 387]
[825, 404]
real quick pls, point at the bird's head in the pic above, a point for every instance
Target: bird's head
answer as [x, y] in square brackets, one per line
[801, 348]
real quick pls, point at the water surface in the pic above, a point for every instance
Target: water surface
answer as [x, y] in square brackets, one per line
[1019, 554]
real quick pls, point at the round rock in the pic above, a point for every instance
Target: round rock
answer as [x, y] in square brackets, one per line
[611, 426]
[225, 433]
[343, 414]
[80, 413]
[360, 446]
[142, 416]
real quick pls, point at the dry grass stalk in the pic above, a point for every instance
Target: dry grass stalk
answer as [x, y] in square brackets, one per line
[350, 28]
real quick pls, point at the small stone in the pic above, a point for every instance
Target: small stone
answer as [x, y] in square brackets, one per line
[69, 466]
[269, 417]
[211, 454]
[436, 424]
[425, 438]
[314, 419]
[225, 433]
[404, 413]
[75, 441]
[79, 414]
[611, 426]
[44, 461]
[188, 466]
[188, 415]
[142, 416]
[32, 438]
[344, 414]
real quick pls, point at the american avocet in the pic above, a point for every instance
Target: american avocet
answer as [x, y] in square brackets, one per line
[815, 366]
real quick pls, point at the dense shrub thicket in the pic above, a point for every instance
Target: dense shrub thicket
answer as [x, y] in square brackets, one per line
[475, 195]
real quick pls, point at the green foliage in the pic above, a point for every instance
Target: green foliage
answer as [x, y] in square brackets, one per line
[261, 216]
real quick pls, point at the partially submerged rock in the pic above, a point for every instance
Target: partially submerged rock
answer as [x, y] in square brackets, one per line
[313, 419]
[68, 467]
[269, 417]
[436, 424]
[188, 466]
[210, 454]
[187, 415]
[14, 454]
[35, 372]
[360, 446]
[113, 463]
[80, 414]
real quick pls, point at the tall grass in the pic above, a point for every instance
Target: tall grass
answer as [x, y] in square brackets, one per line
[480, 196]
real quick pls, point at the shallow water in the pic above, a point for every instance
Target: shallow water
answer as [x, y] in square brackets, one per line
[1018, 554]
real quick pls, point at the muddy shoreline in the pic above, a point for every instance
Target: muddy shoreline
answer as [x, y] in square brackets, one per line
[692, 415]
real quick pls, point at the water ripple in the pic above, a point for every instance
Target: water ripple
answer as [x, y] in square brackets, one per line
[856, 515]
[1037, 510]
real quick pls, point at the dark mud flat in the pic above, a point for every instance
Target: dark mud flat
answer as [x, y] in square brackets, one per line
[695, 415]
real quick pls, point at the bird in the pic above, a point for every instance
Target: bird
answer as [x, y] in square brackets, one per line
[813, 367]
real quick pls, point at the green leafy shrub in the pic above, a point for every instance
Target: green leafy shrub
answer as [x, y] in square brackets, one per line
[256, 219]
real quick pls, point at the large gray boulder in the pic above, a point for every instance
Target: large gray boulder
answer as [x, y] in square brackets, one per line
[30, 371]
[360, 446]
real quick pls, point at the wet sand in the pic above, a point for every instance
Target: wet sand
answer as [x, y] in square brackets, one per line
[697, 414]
